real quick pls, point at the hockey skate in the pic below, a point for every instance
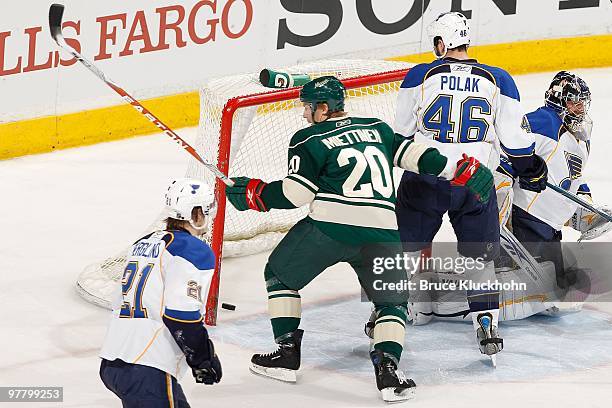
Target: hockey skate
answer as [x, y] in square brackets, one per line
[488, 340]
[283, 363]
[392, 383]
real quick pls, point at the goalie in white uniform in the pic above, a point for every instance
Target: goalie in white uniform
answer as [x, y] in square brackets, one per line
[562, 130]
[156, 325]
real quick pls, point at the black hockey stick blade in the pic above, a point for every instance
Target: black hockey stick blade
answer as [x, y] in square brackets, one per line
[56, 12]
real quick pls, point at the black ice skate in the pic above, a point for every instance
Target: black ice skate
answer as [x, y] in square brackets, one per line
[489, 341]
[392, 383]
[283, 363]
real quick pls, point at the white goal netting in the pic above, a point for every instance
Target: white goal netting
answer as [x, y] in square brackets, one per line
[258, 140]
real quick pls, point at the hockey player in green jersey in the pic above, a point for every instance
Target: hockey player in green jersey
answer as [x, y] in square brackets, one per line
[342, 167]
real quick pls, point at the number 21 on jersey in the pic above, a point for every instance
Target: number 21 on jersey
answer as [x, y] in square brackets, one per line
[132, 294]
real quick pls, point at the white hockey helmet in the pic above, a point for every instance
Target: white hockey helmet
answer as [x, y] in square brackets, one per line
[185, 194]
[453, 28]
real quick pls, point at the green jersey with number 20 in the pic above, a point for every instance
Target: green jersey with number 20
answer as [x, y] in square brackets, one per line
[344, 168]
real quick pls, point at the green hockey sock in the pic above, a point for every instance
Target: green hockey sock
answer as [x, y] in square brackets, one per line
[284, 305]
[390, 329]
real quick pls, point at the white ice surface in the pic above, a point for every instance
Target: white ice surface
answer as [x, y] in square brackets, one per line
[64, 210]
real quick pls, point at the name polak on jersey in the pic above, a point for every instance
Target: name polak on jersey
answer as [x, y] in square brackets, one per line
[352, 137]
[146, 249]
[454, 83]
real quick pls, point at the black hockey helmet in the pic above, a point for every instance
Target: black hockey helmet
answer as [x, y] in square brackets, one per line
[565, 87]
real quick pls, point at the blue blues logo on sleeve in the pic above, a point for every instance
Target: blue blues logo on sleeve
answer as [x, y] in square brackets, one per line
[574, 165]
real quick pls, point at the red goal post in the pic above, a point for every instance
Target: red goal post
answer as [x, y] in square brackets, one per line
[247, 128]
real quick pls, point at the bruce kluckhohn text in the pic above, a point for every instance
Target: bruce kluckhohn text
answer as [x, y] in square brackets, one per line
[463, 284]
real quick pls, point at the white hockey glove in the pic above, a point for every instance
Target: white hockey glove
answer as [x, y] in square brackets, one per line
[505, 195]
[590, 224]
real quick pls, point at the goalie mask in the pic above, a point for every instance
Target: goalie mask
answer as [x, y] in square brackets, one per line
[452, 28]
[570, 97]
[184, 195]
[326, 89]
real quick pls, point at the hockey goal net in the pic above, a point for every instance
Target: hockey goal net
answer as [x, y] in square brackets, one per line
[245, 130]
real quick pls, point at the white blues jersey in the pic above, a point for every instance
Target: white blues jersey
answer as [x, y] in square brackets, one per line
[168, 273]
[566, 158]
[463, 107]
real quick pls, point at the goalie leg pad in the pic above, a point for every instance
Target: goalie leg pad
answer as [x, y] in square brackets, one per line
[505, 196]
[540, 239]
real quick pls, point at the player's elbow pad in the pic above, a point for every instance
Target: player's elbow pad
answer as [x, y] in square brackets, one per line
[192, 339]
[420, 158]
[291, 192]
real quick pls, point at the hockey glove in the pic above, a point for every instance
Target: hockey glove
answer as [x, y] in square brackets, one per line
[590, 224]
[208, 371]
[536, 179]
[245, 194]
[477, 178]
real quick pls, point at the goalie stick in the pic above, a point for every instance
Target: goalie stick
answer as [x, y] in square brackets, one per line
[579, 201]
[519, 254]
[56, 12]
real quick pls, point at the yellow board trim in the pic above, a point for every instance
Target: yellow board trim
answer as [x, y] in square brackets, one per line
[526, 57]
[46, 134]
[50, 133]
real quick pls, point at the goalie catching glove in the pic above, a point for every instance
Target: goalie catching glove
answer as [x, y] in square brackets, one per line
[476, 177]
[591, 225]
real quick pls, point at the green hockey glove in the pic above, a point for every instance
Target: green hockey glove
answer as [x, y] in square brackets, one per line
[476, 177]
[245, 194]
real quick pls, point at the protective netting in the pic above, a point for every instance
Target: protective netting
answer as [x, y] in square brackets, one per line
[258, 145]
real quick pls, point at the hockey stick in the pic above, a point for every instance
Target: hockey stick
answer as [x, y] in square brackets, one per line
[519, 254]
[579, 201]
[56, 12]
